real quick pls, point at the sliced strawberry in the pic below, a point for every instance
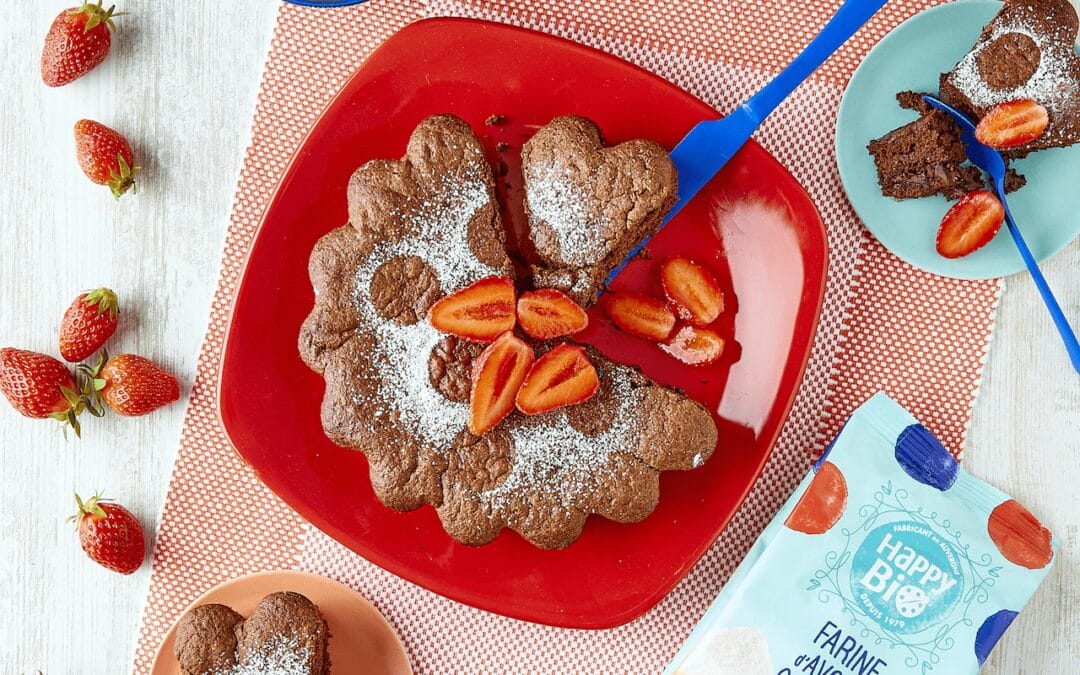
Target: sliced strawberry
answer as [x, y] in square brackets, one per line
[640, 315]
[547, 314]
[694, 346]
[564, 376]
[480, 312]
[970, 224]
[497, 375]
[1008, 125]
[692, 290]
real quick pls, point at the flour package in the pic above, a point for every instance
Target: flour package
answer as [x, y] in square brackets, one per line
[888, 558]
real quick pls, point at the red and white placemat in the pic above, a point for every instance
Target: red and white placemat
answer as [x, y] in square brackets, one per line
[885, 326]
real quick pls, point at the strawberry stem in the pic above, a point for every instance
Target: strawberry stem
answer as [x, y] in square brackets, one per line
[91, 507]
[97, 15]
[125, 180]
[104, 299]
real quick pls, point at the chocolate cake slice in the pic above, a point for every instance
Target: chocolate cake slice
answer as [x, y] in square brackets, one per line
[285, 635]
[1028, 51]
[397, 389]
[926, 157]
[589, 205]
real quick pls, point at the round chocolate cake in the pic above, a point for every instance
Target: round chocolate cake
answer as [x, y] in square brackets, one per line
[397, 389]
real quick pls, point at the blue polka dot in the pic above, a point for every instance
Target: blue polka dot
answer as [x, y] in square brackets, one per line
[990, 632]
[925, 459]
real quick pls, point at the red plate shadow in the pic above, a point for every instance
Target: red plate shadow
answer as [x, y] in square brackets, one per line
[754, 226]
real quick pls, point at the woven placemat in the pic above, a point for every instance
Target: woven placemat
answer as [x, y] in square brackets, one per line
[885, 326]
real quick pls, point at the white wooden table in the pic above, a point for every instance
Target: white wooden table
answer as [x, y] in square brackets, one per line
[182, 82]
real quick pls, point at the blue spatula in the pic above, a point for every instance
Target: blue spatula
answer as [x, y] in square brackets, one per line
[991, 162]
[709, 145]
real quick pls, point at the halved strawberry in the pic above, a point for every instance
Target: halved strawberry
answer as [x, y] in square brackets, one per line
[547, 314]
[1014, 123]
[640, 315]
[970, 224]
[692, 290]
[564, 376]
[480, 312]
[695, 346]
[497, 375]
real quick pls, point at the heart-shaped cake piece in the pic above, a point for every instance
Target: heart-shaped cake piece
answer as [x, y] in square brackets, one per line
[285, 635]
[589, 205]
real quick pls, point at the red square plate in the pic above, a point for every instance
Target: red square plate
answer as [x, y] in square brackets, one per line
[754, 226]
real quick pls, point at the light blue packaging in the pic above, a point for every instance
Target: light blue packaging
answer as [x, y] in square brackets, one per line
[888, 558]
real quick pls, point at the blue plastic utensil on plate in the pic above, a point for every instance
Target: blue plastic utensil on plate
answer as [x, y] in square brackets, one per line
[707, 148]
[991, 162]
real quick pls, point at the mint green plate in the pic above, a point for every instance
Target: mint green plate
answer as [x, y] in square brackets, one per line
[912, 57]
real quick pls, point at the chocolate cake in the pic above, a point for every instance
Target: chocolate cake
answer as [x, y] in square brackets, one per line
[396, 389]
[589, 205]
[927, 157]
[285, 635]
[1028, 51]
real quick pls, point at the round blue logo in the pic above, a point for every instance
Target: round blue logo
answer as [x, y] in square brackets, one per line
[906, 577]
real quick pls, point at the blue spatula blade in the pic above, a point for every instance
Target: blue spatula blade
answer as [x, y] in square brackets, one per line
[709, 145]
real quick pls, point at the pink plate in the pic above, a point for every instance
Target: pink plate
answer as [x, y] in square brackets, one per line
[360, 639]
[753, 226]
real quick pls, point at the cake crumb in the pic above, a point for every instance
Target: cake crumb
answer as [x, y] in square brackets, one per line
[495, 119]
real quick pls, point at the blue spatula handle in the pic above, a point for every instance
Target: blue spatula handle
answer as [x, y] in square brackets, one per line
[851, 15]
[1066, 331]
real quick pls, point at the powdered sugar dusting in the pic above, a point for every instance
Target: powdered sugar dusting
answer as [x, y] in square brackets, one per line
[553, 457]
[438, 234]
[555, 200]
[1051, 85]
[279, 656]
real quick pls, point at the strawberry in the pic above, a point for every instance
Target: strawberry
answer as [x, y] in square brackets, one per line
[548, 314]
[131, 385]
[640, 315]
[497, 375]
[480, 312]
[970, 224]
[694, 346]
[696, 296]
[41, 387]
[1008, 125]
[105, 156]
[111, 536]
[77, 42]
[564, 376]
[87, 324]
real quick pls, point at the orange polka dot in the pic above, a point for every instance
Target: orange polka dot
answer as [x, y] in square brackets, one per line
[1019, 536]
[822, 504]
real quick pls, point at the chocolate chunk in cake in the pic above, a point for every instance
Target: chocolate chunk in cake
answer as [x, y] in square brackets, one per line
[589, 205]
[285, 635]
[1026, 52]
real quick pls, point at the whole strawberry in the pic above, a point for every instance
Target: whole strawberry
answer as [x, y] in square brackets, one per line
[39, 386]
[78, 41]
[109, 534]
[87, 324]
[132, 385]
[105, 156]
